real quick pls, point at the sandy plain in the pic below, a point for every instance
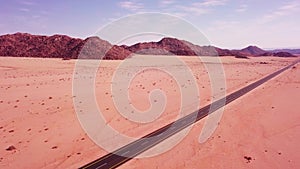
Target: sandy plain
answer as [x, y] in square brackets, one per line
[40, 129]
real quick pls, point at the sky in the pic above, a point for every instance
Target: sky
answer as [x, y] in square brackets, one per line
[229, 24]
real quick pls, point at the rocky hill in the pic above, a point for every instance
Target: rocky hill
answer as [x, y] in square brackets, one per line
[253, 50]
[256, 51]
[165, 46]
[26, 45]
[62, 46]
[172, 46]
[291, 51]
[59, 46]
[96, 48]
[279, 54]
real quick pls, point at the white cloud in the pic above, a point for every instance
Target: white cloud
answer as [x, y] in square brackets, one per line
[284, 10]
[28, 3]
[130, 5]
[222, 25]
[199, 8]
[177, 8]
[207, 3]
[192, 9]
[24, 9]
[242, 8]
[204, 7]
[290, 6]
[167, 2]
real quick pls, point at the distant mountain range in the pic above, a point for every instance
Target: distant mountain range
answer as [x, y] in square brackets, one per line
[62, 46]
[292, 51]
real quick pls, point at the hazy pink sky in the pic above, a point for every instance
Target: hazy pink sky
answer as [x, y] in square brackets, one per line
[226, 23]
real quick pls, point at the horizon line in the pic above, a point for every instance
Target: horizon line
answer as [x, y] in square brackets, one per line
[229, 48]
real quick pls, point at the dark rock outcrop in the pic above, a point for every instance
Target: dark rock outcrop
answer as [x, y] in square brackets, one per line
[11, 148]
[284, 54]
[241, 56]
[279, 54]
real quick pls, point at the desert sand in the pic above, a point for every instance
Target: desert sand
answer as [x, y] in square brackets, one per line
[40, 129]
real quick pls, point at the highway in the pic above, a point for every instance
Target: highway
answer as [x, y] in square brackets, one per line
[127, 152]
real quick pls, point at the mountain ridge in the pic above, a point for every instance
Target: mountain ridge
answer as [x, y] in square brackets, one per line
[63, 46]
[292, 51]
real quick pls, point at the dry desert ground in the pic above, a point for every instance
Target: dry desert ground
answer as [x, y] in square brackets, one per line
[40, 129]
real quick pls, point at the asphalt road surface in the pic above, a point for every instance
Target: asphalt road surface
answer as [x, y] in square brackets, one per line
[127, 152]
